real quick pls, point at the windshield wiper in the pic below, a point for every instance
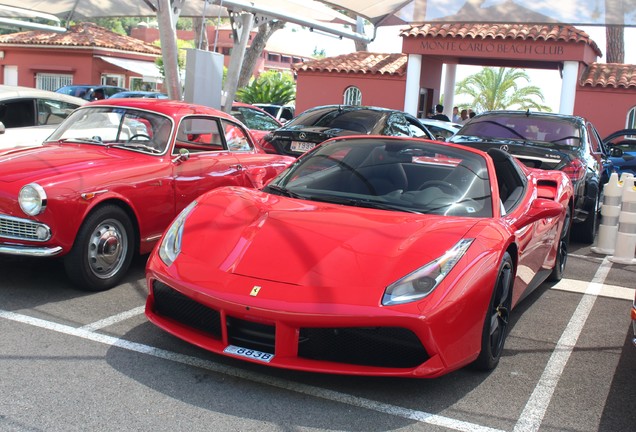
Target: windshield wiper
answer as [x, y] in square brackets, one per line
[137, 145]
[366, 203]
[279, 190]
[83, 140]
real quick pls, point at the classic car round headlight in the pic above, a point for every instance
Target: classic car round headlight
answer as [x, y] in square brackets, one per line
[32, 199]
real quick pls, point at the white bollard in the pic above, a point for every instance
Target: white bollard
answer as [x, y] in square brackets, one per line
[608, 228]
[625, 247]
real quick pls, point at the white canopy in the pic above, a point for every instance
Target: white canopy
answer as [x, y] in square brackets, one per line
[576, 12]
[378, 12]
[148, 70]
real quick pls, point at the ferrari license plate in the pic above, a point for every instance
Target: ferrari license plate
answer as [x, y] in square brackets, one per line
[249, 353]
[301, 147]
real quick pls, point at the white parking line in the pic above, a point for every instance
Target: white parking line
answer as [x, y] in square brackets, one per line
[318, 392]
[534, 411]
[611, 291]
[113, 319]
[587, 257]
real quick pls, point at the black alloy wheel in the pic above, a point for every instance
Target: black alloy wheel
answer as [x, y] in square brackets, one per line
[497, 318]
[562, 250]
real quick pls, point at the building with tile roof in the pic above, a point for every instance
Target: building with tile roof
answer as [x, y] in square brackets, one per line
[411, 81]
[85, 54]
[607, 96]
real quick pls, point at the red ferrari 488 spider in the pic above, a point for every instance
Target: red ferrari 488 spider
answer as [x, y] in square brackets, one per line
[368, 256]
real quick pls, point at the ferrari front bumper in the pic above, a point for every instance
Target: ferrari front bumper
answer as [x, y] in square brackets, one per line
[371, 346]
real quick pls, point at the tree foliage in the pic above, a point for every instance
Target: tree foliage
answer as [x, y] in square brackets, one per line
[255, 50]
[498, 88]
[181, 56]
[270, 87]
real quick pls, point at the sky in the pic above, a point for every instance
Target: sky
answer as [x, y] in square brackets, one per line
[387, 40]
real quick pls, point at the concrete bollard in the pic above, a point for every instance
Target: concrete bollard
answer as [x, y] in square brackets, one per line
[608, 228]
[625, 247]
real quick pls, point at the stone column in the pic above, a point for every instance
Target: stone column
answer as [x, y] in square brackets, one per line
[568, 86]
[412, 91]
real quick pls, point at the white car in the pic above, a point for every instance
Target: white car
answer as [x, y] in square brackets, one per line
[28, 115]
[441, 130]
[281, 113]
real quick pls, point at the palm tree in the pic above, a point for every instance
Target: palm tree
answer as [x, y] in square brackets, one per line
[615, 33]
[497, 88]
[270, 87]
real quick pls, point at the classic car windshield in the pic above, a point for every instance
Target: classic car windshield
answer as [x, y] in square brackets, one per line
[521, 127]
[401, 175]
[115, 126]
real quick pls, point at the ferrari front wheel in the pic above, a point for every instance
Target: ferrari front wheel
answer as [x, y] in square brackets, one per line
[102, 251]
[497, 319]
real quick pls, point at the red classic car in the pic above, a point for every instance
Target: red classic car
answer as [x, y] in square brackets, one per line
[259, 122]
[394, 256]
[113, 175]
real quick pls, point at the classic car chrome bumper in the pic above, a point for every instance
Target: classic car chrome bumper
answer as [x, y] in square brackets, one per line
[30, 250]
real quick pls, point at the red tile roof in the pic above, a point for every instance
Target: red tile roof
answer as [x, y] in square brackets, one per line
[533, 32]
[358, 62]
[82, 35]
[609, 75]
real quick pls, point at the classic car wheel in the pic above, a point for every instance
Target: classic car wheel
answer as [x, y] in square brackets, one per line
[102, 251]
[497, 318]
[562, 250]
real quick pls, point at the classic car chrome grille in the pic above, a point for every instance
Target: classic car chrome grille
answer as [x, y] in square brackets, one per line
[367, 346]
[23, 229]
[172, 304]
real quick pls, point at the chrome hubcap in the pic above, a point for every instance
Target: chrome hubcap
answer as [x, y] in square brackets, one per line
[107, 248]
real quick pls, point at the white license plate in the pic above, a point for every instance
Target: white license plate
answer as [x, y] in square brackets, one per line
[301, 147]
[249, 353]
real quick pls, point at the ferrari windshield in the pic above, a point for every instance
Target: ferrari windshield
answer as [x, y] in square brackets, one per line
[115, 126]
[391, 174]
[549, 130]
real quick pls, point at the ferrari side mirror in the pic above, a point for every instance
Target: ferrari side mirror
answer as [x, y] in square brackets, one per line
[540, 208]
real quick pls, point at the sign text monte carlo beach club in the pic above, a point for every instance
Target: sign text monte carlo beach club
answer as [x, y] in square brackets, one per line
[490, 47]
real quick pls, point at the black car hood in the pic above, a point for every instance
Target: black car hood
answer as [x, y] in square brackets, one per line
[532, 154]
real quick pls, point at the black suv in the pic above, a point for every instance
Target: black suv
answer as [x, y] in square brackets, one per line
[318, 124]
[550, 141]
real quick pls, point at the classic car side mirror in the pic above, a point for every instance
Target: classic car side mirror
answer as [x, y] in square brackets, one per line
[184, 155]
[2, 129]
[615, 152]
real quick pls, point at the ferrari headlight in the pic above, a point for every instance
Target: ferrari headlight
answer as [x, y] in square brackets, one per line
[32, 199]
[171, 244]
[423, 281]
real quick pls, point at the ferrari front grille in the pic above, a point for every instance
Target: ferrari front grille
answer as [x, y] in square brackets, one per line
[366, 346]
[23, 229]
[170, 303]
[251, 335]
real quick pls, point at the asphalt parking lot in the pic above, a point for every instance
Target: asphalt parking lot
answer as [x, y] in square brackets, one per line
[77, 361]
